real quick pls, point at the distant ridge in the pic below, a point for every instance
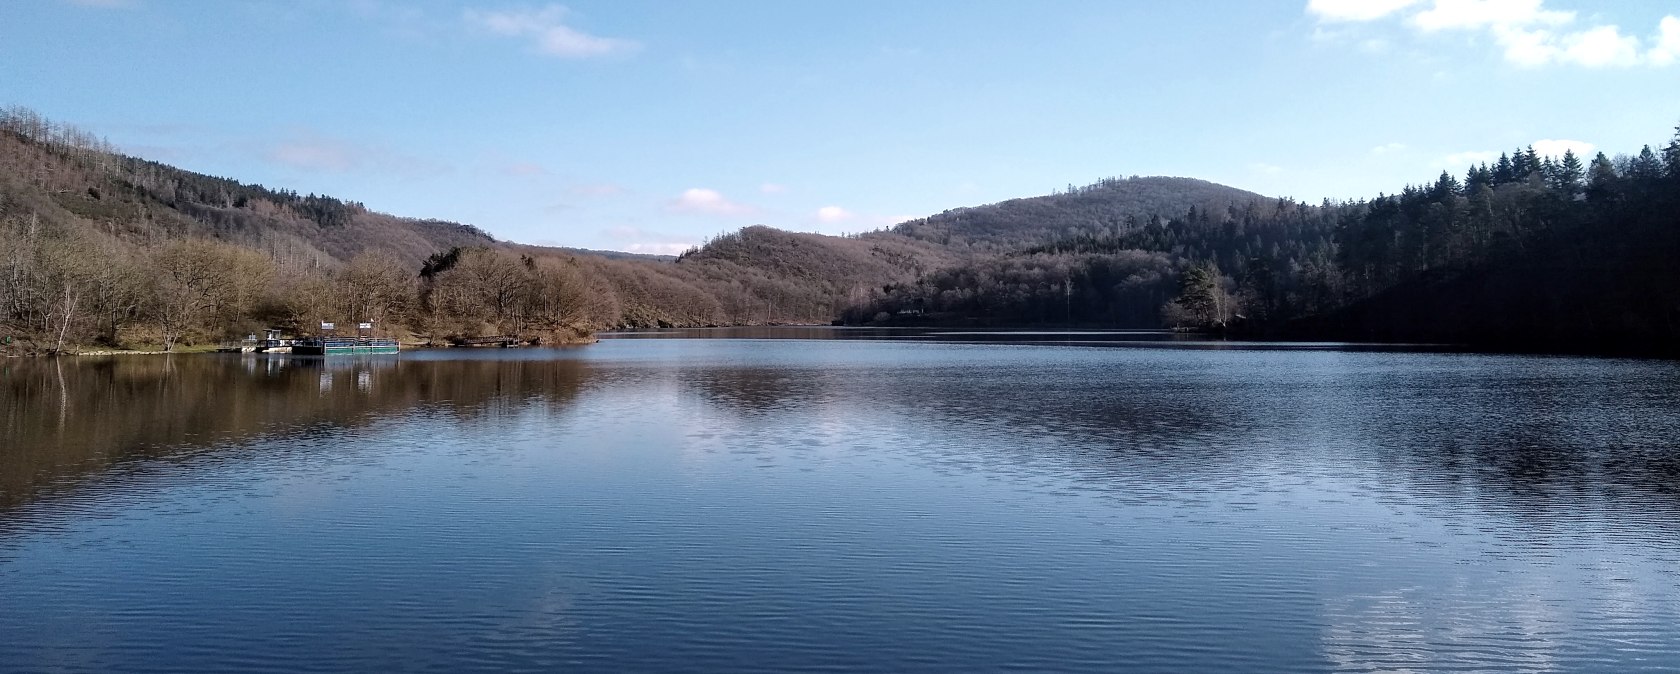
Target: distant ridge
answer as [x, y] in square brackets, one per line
[1106, 205]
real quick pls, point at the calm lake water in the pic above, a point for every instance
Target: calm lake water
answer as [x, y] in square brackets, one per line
[953, 503]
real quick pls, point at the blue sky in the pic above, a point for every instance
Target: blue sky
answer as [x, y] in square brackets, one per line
[648, 126]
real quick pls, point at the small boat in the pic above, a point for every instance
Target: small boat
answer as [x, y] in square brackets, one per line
[274, 342]
[338, 346]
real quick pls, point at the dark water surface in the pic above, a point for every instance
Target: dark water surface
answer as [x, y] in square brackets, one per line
[862, 504]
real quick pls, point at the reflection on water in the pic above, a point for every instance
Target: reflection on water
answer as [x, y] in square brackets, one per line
[73, 417]
[914, 503]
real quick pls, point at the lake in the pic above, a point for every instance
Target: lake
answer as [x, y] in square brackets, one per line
[842, 501]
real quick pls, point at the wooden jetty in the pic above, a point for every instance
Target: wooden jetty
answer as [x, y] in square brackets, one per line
[503, 341]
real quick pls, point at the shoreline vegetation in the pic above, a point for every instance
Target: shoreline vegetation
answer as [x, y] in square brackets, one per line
[101, 252]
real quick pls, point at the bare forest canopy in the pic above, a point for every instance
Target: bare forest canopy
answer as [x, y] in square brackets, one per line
[106, 250]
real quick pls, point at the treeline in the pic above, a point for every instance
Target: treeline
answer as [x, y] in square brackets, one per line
[1273, 255]
[1126, 288]
[1102, 206]
[1525, 249]
[1547, 254]
[105, 250]
[64, 289]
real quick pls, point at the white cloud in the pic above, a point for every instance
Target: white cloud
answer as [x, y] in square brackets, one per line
[1478, 14]
[1555, 148]
[1600, 47]
[772, 188]
[708, 202]
[1458, 160]
[1268, 169]
[675, 248]
[546, 27]
[1666, 49]
[637, 240]
[1529, 34]
[1527, 48]
[1388, 148]
[1355, 10]
[833, 214]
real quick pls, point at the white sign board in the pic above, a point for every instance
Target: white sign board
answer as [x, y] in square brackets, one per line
[327, 326]
[365, 326]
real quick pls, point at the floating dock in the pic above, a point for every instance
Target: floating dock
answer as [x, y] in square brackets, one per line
[343, 346]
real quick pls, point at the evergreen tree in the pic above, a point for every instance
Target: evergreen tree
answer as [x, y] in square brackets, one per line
[1671, 157]
[1646, 167]
[1520, 168]
[1504, 171]
[1445, 186]
[1200, 295]
[1601, 178]
[1478, 176]
[1567, 174]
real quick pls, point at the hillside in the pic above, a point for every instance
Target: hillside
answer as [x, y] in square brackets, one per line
[1527, 252]
[102, 248]
[118, 251]
[89, 227]
[1104, 206]
[60, 177]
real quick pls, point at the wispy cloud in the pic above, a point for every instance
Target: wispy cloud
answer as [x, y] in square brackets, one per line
[772, 188]
[1481, 14]
[1388, 148]
[1355, 10]
[706, 201]
[1528, 33]
[524, 169]
[314, 154]
[1268, 169]
[106, 4]
[597, 190]
[309, 151]
[547, 29]
[400, 18]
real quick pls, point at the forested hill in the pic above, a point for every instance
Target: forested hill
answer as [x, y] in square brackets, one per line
[1553, 253]
[102, 249]
[115, 250]
[1548, 253]
[1105, 206]
[64, 177]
